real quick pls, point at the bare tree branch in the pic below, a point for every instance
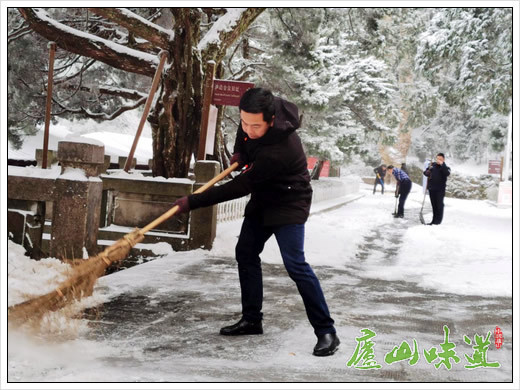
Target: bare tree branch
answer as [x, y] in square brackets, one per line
[83, 69]
[89, 45]
[108, 117]
[137, 25]
[131, 94]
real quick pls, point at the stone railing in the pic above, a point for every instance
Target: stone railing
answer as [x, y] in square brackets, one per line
[87, 211]
[134, 200]
[75, 192]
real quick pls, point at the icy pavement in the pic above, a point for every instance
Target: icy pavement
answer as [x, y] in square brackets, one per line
[161, 319]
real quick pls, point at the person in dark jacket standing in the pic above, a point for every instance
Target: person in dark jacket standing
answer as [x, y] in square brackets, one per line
[437, 174]
[277, 178]
[380, 172]
[405, 185]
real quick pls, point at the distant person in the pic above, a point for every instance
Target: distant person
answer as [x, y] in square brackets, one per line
[276, 176]
[437, 174]
[380, 172]
[404, 168]
[404, 186]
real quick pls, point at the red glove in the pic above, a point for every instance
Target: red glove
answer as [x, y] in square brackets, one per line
[184, 205]
[237, 157]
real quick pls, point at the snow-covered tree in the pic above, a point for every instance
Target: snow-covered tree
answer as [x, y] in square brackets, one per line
[343, 92]
[466, 54]
[126, 41]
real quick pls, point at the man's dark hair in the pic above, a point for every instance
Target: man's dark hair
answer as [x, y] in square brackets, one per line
[440, 154]
[383, 165]
[390, 167]
[258, 100]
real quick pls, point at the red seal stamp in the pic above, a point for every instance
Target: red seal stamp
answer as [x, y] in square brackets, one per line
[499, 337]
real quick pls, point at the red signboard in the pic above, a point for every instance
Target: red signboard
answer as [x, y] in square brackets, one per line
[228, 93]
[494, 166]
[325, 169]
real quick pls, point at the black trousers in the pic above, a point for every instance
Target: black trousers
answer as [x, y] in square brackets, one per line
[290, 240]
[437, 199]
[404, 189]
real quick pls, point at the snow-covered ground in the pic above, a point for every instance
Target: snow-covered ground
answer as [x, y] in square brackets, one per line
[117, 136]
[469, 255]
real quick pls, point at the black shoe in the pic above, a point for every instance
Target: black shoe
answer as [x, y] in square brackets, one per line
[242, 327]
[398, 216]
[327, 344]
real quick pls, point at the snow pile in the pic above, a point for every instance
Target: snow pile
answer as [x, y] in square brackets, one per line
[28, 278]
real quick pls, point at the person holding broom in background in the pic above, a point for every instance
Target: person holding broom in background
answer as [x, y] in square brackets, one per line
[380, 172]
[404, 186]
[277, 178]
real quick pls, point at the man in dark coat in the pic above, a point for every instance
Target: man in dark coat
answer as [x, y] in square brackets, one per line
[276, 176]
[437, 174]
[380, 172]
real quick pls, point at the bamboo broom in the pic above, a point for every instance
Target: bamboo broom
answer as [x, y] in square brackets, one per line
[83, 277]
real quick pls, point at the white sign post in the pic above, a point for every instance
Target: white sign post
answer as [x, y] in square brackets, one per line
[212, 126]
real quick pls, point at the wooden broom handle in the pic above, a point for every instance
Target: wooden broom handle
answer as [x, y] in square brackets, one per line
[174, 209]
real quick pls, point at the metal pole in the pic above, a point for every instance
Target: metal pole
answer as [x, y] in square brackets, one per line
[50, 77]
[156, 78]
[206, 102]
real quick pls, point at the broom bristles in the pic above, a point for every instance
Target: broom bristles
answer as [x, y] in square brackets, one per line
[78, 285]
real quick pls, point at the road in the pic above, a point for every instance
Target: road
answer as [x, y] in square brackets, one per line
[170, 332]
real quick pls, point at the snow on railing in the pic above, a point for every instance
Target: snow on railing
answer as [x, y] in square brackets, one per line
[324, 189]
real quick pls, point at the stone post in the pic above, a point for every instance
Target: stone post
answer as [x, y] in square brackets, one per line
[51, 158]
[77, 201]
[122, 162]
[203, 224]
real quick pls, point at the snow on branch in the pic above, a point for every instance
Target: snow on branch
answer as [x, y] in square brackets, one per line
[226, 30]
[101, 115]
[137, 25]
[89, 45]
[124, 93]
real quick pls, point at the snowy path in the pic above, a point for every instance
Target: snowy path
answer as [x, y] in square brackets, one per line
[161, 319]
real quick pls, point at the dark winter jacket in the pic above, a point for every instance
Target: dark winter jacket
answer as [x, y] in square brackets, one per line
[381, 172]
[437, 176]
[276, 175]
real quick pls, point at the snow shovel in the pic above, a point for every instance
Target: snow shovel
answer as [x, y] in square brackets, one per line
[83, 277]
[397, 197]
[421, 217]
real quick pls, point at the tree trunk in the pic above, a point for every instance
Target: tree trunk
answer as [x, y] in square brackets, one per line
[176, 121]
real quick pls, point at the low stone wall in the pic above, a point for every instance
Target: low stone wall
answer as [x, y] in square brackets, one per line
[75, 192]
[134, 200]
[87, 211]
